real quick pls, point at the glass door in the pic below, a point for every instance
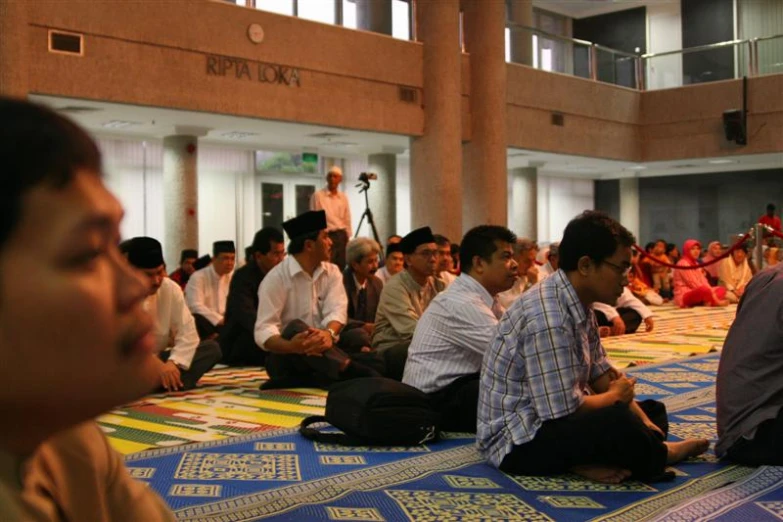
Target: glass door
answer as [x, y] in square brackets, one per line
[282, 199]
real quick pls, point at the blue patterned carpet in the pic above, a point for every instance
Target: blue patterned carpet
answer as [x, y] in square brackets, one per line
[279, 475]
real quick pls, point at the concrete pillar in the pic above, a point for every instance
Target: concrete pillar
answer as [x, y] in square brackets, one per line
[523, 214]
[374, 15]
[629, 204]
[14, 44]
[180, 196]
[436, 159]
[383, 195]
[520, 12]
[484, 172]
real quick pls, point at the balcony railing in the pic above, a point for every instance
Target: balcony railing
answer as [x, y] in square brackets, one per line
[706, 63]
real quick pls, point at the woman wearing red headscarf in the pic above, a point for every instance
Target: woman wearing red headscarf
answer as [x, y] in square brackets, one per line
[691, 287]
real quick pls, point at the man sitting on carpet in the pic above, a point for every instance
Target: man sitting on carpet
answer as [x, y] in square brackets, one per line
[549, 400]
[302, 307]
[624, 317]
[444, 358]
[749, 385]
[207, 290]
[181, 275]
[74, 339]
[177, 341]
[237, 338]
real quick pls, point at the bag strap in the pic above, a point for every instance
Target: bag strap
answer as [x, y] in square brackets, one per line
[327, 438]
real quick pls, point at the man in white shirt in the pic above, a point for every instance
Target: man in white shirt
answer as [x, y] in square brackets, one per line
[445, 261]
[525, 251]
[394, 263]
[176, 339]
[552, 262]
[444, 358]
[338, 214]
[624, 317]
[302, 308]
[207, 290]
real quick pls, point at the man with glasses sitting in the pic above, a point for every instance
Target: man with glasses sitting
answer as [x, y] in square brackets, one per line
[404, 299]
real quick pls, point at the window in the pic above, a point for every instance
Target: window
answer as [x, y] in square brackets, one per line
[284, 7]
[401, 19]
[349, 14]
[316, 10]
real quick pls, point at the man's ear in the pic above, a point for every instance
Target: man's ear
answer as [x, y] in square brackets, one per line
[478, 264]
[584, 264]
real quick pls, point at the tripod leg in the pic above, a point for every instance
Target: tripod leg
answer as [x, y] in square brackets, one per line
[359, 226]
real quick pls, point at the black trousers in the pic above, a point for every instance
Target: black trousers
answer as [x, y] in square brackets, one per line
[207, 355]
[394, 359]
[205, 329]
[241, 350]
[630, 317]
[457, 404]
[613, 436]
[766, 448]
[336, 364]
[339, 242]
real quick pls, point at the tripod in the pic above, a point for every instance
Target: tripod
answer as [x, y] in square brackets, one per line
[368, 214]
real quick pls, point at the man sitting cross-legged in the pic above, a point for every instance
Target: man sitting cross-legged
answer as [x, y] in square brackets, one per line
[404, 298]
[207, 290]
[237, 338]
[549, 400]
[302, 310]
[444, 358]
[181, 275]
[74, 339]
[177, 341]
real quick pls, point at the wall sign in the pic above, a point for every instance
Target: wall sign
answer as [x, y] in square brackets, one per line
[242, 69]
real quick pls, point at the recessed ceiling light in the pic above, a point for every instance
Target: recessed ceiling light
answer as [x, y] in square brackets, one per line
[238, 135]
[721, 161]
[637, 167]
[119, 124]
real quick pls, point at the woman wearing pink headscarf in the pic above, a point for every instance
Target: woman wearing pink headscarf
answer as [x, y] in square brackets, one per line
[691, 287]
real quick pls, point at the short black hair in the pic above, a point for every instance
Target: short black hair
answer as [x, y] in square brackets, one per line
[262, 241]
[670, 247]
[649, 246]
[481, 241]
[441, 240]
[38, 146]
[771, 206]
[593, 234]
[296, 245]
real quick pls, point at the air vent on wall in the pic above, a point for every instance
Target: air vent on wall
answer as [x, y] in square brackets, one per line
[408, 94]
[66, 43]
[558, 119]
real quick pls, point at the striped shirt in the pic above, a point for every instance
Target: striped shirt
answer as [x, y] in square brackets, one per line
[538, 366]
[452, 336]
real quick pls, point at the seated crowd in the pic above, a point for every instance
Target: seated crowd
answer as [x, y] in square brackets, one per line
[505, 338]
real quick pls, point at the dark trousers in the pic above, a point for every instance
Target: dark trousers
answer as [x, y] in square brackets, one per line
[630, 317]
[457, 404]
[766, 448]
[394, 359]
[339, 242]
[612, 436]
[207, 355]
[205, 329]
[336, 364]
[241, 350]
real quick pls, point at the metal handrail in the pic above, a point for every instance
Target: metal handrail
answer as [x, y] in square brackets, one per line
[698, 48]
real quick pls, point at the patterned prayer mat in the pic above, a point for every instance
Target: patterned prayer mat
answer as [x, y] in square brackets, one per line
[278, 475]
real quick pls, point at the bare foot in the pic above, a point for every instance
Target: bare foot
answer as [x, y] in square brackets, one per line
[678, 451]
[604, 331]
[603, 474]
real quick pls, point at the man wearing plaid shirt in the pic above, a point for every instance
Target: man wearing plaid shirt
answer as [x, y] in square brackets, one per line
[549, 399]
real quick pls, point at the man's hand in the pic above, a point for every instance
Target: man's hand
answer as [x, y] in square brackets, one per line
[369, 328]
[170, 377]
[618, 326]
[309, 342]
[622, 388]
[649, 324]
[221, 322]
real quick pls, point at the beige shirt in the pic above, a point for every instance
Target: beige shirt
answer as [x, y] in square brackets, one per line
[338, 212]
[75, 476]
[402, 303]
[732, 276]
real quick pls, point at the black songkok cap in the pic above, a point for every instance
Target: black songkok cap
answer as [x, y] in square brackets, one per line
[394, 247]
[202, 261]
[414, 239]
[145, 252]
[304, 224]
[188, 254]
[221, 247]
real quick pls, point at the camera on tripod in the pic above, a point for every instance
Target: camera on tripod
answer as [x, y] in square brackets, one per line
[365, 177]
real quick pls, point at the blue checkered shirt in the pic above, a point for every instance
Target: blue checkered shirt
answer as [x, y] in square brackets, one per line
[538, 366]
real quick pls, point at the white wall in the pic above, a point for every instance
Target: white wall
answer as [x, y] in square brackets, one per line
[560, 200]
[664, 33]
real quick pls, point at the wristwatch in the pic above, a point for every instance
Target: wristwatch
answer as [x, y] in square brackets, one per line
[335, 336]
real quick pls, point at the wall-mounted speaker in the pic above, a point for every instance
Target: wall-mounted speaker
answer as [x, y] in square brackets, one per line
[734, 126]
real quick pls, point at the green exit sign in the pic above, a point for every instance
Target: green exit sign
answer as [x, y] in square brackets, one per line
[309, 157]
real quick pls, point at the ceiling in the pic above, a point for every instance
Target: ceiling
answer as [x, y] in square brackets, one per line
[585, 8]
[142, 122]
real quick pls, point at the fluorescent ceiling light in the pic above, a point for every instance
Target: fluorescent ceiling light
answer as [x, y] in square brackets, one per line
[721, 161]
[637, 167]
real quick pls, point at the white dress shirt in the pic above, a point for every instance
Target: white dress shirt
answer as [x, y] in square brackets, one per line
[452, 335]
[545, 271]
[626, 300]
[508, 297]
[288, 292]
[383, 274]
[206, 293]
[174, 324]
[447, 277]
[338, 212]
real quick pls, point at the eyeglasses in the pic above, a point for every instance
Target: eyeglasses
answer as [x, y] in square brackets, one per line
[428, 253]
[620, 270]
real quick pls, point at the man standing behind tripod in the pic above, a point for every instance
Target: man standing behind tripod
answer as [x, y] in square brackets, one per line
[338, 213]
